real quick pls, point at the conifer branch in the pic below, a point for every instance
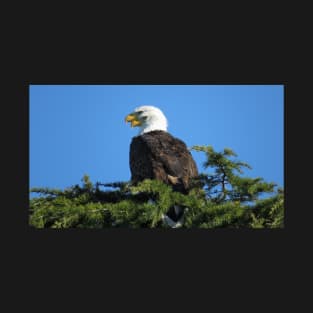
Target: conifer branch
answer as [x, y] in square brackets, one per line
[218, 199]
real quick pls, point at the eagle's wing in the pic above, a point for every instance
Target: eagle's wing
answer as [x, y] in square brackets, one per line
[159, 155]
[140, 160]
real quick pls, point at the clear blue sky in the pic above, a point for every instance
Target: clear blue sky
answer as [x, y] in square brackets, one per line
[80, 129]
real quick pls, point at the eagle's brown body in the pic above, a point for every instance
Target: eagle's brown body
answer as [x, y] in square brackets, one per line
[159, 155]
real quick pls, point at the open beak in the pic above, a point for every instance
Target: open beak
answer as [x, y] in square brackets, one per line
[133, 119]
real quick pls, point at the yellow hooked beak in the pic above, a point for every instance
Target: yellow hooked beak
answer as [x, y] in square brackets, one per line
[133, 119]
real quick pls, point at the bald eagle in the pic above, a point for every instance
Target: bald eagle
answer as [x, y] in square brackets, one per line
[156, 154]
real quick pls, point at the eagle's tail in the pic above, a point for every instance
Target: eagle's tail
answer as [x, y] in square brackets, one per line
[174, 217]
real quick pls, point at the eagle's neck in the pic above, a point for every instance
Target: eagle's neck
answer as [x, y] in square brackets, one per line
[153, 124]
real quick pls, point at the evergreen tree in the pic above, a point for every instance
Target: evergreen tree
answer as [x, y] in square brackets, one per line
[221, 197]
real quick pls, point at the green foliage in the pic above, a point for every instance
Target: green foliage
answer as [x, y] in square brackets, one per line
[221, 198]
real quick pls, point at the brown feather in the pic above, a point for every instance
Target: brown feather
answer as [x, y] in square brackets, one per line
[159, 155]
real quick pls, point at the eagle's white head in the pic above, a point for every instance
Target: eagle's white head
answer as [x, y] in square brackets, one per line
[148, 118]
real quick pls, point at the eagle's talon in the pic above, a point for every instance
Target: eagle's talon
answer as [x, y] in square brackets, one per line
[174, 180]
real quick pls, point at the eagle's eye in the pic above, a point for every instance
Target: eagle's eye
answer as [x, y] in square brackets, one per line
[139, 112]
